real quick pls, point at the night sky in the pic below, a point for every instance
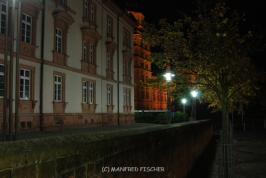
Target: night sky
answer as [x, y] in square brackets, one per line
[171, 9]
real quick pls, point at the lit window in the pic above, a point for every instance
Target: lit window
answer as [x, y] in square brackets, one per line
[58, 40]
[25, 84]
[2, 84]
[3, 17]
[109, 95]
[26, 31]
[58, 88]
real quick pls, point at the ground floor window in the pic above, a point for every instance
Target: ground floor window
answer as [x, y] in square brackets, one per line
[88, 92]
[25, 84]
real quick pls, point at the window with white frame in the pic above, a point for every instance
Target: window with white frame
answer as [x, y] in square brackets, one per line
[58, 88]
[26, 28]
[2, 84]
[109, 95]
[109, 59]
[88, 92]
[85, 97]
[92, 53]
[25, 84]
[86, 7]
[3, 17]
[92, 13]
[127, 96]
[89, 11]
[58, 40]
[109, 27]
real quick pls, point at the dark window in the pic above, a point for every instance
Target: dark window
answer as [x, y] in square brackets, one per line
[2, 84]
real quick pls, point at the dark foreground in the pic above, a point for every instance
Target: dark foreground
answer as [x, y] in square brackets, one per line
[249, 157]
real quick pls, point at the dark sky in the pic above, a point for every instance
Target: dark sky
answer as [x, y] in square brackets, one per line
[172, 9]
[254, 11]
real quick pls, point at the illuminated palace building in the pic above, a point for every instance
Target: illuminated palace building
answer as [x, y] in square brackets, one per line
[150, 94]
[71, 64]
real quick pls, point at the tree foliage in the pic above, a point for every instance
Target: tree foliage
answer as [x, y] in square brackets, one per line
[211, 46]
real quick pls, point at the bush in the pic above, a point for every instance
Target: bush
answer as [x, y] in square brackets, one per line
[179, 117]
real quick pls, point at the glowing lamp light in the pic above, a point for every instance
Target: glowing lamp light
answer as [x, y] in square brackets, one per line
[194, 93]
[184, 101]
[168, 76]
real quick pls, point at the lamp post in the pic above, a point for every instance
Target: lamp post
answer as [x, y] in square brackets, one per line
[194, 94]
[184, 102]
[168, 77]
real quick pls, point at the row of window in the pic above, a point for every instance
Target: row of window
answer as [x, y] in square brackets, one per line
[26, 24]
[89, 48]
[88, 88]
[89, 15]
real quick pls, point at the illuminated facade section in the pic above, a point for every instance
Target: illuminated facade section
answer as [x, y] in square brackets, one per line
[149, 93]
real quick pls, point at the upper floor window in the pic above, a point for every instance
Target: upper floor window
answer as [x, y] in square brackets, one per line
[109, 27]
[25, 84]
[85, 52]
[88, 92]
[58, 88]
[89, 11]
[92, 13]
[62, 2]
[58, 40]
[109, 95]
[3, 17]
[2, 84]
[26, 29]
[127, 67]
[109, 60]
[92, 53]
[126, 38]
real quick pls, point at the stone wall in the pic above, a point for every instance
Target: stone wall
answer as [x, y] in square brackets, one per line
[170, 149]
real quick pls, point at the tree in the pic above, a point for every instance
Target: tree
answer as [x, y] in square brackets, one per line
[211, 46]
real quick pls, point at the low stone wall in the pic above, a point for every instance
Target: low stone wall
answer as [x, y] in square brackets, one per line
[152, 151]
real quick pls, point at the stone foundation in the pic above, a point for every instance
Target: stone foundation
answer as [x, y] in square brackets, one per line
[31, 122]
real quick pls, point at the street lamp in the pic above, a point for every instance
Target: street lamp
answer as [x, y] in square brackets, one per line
[194, 94]
[184, 102]
[168, 77]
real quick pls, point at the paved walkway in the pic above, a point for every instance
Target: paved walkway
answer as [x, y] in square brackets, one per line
[249, 156]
